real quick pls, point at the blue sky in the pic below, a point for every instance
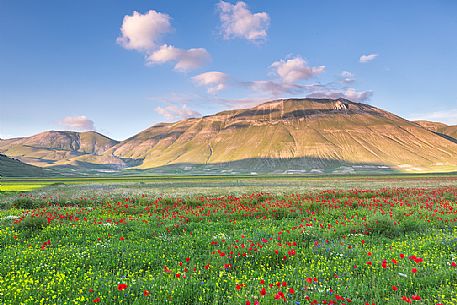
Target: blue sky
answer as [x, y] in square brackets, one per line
[97, 64]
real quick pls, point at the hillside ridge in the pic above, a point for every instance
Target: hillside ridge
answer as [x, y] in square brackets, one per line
[286, 135]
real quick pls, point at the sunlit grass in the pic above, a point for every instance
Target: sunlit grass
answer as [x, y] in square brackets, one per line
[21, 187]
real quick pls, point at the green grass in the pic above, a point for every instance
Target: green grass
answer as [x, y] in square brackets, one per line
[21, 187]
[14, 168]
[76, 242]
[209, 184]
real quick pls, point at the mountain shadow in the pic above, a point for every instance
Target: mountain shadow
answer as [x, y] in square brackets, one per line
[305, 165]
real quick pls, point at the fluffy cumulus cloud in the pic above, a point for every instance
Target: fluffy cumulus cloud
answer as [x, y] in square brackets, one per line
[291, 72]
[174, 112]
[185, 60]
[142, 31]
[348, 93]
[295, 69]
[237, 21]
[80, 123]
[214, 81]
[367, 58]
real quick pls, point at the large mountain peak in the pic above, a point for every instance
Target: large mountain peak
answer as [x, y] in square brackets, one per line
[303, 134]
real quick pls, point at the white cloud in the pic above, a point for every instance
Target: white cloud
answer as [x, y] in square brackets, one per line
[185, 60]
[173, 112]
[142, 31]
[238, 21]
[274, 88]
[349, 93]
[215, 81]
[80, 123]
[357, 96]
[295, 69]
[279, 89]
[445, 116]
[367, 58]
[347, 77]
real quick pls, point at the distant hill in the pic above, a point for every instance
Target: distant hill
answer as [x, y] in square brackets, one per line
[440, 128]
[14, 168]
[56, 147]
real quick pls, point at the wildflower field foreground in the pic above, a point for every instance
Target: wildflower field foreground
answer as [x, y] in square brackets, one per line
[357, 246]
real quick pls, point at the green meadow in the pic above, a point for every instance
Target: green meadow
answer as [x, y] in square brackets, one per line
[229, 240]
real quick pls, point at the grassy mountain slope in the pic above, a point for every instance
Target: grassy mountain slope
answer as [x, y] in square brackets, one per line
[14, 168]
[312, 135]
[315, 130]
[49, 147]
[441, 128]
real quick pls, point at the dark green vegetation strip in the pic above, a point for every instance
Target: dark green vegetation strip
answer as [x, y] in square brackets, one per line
[152, 178]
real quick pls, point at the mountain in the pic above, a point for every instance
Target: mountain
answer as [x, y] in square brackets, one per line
[440, 128]
[291, 135]
[14, 168]
[281, 136]
[50, 148]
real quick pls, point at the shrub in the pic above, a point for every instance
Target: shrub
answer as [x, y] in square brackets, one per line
[383, 225]
[24, 203]
[31, 224]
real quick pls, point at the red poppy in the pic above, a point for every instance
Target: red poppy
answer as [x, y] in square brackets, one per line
[263, 291]
[414, 270]
[96, 300]
[406, 299]
[418, 259]
[121, 287]
[291, 291]
[394, 288]
[146, 293]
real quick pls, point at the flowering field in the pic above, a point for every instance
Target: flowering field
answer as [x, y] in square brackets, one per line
[358, 246]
